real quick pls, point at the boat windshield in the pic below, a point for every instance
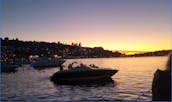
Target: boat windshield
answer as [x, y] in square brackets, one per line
[80, 65]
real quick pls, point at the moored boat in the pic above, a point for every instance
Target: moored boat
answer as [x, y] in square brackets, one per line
[44, 62]
[8, 68]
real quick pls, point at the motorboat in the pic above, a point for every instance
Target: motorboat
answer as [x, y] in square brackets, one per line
[45, 62]
[83, 75]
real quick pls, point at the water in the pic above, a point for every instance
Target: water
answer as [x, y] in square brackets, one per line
[132, 82]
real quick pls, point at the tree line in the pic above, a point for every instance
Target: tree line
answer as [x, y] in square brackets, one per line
[16, 50]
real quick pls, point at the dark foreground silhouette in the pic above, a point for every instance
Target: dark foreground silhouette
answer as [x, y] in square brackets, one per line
[161, 86]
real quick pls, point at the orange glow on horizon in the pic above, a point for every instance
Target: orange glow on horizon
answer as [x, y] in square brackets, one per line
[130, 47]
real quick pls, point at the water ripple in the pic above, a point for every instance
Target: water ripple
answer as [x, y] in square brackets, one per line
[132, 82]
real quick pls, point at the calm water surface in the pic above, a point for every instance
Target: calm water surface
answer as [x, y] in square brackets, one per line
[132, 82]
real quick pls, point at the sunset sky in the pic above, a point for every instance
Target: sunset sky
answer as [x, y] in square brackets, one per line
[135, 25]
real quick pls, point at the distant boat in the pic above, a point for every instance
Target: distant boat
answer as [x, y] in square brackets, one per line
[8, 68]
[45, 62]
[83, 75]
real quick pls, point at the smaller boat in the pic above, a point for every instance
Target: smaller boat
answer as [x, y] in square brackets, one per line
[8, 68]
[83, 75]
[45, 62]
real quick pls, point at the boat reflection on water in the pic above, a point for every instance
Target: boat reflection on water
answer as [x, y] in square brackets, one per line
[83, 74]
[110, 83]
[103, 83]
